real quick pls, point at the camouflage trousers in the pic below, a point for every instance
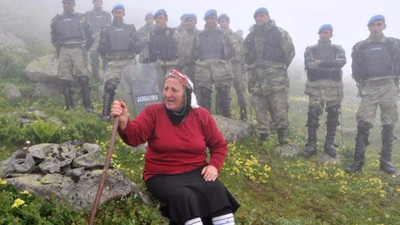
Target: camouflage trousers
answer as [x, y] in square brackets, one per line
[114, 70]
[94, 56]
[374, 93]
[72, 62]
[276, 103]
[323, 93]
[240, 83]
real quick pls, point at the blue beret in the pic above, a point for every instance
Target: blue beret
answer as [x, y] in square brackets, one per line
[190, 16]
[161, 12]
[148, 15]
[183, 16]
[223, 16]
[209, 13]
[63, 1]
[325, 27]
[261, 10]
[118, 6]
[375, 18]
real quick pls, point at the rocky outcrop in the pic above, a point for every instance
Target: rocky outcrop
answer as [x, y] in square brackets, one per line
[43, 69]
[233, 130]
[68, 171]
[11, 91]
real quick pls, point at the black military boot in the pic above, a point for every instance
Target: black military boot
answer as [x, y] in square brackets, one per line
[312, 126]
[263, 137]
[282, 136]
[331, 123]
[386, 154]
[85, 90]
[205, 97]
[361, 145]
[69, 103]
[243, 113]
[108, 98]
[223, 94]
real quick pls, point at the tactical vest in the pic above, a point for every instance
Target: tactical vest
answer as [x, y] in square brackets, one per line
[98, 20]
[324, 53]
[272, 50]
[272, 46]
[162, 45]
[211, 44]
[377, 59]
[69, 28]
[120, 38]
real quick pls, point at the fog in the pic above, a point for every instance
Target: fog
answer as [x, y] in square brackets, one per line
[300, 18]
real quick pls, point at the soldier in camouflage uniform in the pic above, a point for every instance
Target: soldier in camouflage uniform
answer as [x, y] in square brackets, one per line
[375, 68]
[268, 51]
[182, 25]
[72, 36]
[162, 46]
[240, 78]
[184, 42]
[119, 45]
[324, 87]
[98, 18]
[213, 68]
[143, 35]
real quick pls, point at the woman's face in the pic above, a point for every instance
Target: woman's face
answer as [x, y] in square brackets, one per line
[174, 95]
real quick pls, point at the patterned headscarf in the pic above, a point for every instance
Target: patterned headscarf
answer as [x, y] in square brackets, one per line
[187, 83]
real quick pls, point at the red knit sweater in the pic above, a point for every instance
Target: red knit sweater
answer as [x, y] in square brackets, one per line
[174, 149]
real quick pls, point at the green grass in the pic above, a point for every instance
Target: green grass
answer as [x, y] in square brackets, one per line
[271, 190]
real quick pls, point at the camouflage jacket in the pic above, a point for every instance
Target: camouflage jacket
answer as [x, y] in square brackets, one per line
[253, 46]
[268, 76]
[143, 36]
[185, 42]
[237, 45]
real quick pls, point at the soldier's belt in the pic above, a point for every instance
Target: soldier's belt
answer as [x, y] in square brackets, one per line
[376, 83]
[70, 46]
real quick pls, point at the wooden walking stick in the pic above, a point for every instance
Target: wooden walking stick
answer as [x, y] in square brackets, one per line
[105, 170]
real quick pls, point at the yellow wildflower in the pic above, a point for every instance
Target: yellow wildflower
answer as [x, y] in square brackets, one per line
[25, 192]
[17, 203]
[3, 182]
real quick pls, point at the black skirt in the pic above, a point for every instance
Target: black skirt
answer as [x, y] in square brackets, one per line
[188, 195]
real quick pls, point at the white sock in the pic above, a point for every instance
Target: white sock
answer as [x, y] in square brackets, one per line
[226, 219]
[194, 221]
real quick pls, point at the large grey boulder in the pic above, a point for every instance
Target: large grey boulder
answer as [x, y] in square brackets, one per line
[233, 130]
[80, 193]
[43, 69]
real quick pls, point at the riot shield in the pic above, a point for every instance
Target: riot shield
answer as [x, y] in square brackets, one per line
[142, 86]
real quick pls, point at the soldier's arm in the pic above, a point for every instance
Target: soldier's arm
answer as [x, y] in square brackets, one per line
[338, 62]
[397, 57]
[102, 48]
[246, 51]
[356, 64]
[287, 47]
[88, 34]
[135, 41]
[53, 32]
[313, 64]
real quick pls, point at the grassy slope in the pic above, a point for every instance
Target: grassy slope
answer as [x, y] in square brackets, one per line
[286, 191]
